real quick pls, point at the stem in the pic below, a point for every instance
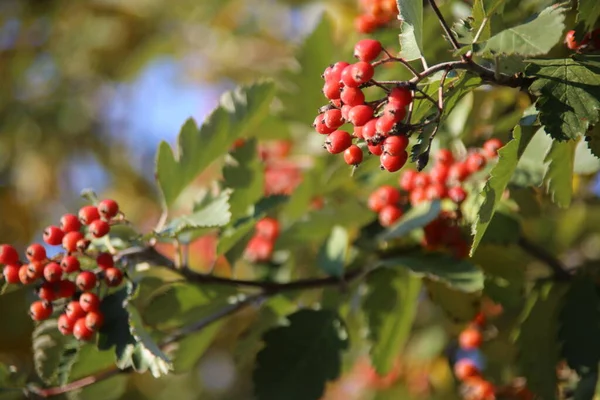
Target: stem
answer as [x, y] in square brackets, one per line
[480, 30]
[445, 26]
[540, 253]
[78, 384]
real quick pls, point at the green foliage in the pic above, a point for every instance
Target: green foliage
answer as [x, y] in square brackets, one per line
[49, 346]
[537, 340]
[504, 229]
[416, 217]
[569, 93]
[239, 113]
[186, 353]
[411, 38]
[459, 306]
[588, 13]
[300, 358]
[333, 253]
[559, 174]
[390, 306]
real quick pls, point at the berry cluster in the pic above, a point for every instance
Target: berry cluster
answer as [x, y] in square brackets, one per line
[375, 14]
[444, 233]
[62, 281]
[260, 247]
[378, 123]
[590, 42]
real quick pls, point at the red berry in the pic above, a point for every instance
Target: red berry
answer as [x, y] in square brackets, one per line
[105, 260]
[375, 149]
[88, 214]
[367, 49]
[267, 228]
[362, 72]
[395, 145]
[369, 130]
[570, 40]
[24, 275]
[348, 78]
[89, 302]
[394, 111]
[70, 264]
[53, 272]
[439, 174]
[11, 273]
[384, 125]
[113, 277]
[333, 118]
[444, 157]
[331, 90]
[383, 196]
[475, 162]
[479, 320]
[422, 179]
[35, 270]
[464, 369]
[74, 311]
[94, 320]
[320, 126]
[335, 74]
[407, 180]
[470, 339]
[360, 115]
[40, 310]
[352, 96]
[8, 254]
[259, 250]
[48, 291]
[99, 228]
[402, 96]
[366, 23]
[491, 147]
[457, 194]
[65, 325]
[70, 240]
[86, 280]
[353, 155]
[458, 172]
[346, 112]
[417, 196]
[435, 191]
[108, 208]
[53, 235]
[81, 331]
[66, 289]
[69, 223]
[389, 215]
[478, 388]
[36, 252]
[338, 141]
[358, 132]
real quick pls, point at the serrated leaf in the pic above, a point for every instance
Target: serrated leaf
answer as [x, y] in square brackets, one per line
[416, 217]
[580, 326]
[246, 179]
[568, 92]
[537, 340]
[500, 175]
[585, 162]
[187, 352]
[300, 358]
[411, 36]
[214, 214]
[332, 254]
[533, 38]
[459, 307]
[68, 359]
[390, 307]
[479, 18]
[559, 174]
[48, 348]
[459, 274]
[588, 13]
[152, 356]
[239, 113]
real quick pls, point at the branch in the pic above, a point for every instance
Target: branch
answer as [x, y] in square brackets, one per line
[445, 26]
[540, 253]
[78, 384]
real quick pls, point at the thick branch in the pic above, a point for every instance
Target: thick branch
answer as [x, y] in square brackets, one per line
[536, 251]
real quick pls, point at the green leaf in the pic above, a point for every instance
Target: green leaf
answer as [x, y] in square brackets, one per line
[460, 307]
[300, 358]
[585, 162]
[588, 13]
[580, 326]
[500, 175]
[239, 113]
[533, 38]
[245, 177]
[559, 174]
[68, 359]
[459, 274]
[479, 18]
[48, 348]
[537, 339]
[411, 38]
[332, 255]
[215, 213]
[569, 94]
[390, 306]
[416, 217]
[504, 229]
[187, 352]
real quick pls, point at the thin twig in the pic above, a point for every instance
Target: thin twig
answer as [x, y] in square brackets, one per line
[445, 26]
[480, 30]
[78, 384]
[536, 251]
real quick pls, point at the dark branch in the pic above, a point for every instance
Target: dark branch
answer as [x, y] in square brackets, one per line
[536, 251]
[445, 26]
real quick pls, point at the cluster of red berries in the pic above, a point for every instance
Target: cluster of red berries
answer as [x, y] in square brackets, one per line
[474, 386]
[260, 247]
[444, 233]
[378, 123]
[590, 42]
[375, 14]
[62, 278]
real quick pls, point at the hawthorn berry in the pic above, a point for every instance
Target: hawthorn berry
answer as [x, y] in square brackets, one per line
[48, 291]
[81, 331]
[86, 280]
[422, 179]
[331, 90]
[11, 273]
[457, 194]
[358, 132]
[334, 72]
[36, 252]
[394, 111]
[375, 149]
[369, 130]
[383, 196]
[88, 214]
[464, 369]
[105, 260]
[24, 275]
[53, 235]
[35, 270]
[491, 147]
[395, 145]
[40, 310]
[479, 388]
[475, 162]
[362, 72]
[82, 245]
[8, 254]
[352, 96]
[407, 180]
[353, 155]
[402, 96]
[348, 78]
[367, 49]
[458, 172]
[259, 250]
[470, 339]
[333, 118]
[70, 240]
[65, 324]
[572, 43]
[366, 23]
[89, 301]
[338, 141]
[479, 320]
[384, 125]
[345, 109]
[108, 208]
[94, 320]
[66, 288]
[320, 126]
[417, 195]
[74, 311]
[53, 272]
[70, 264]
[444, 157]
[435, 191]
[99, 228]
[393, 163]
[70, 223]
[360, 115]
[389, 215]
[439, 174]
[267, 228]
